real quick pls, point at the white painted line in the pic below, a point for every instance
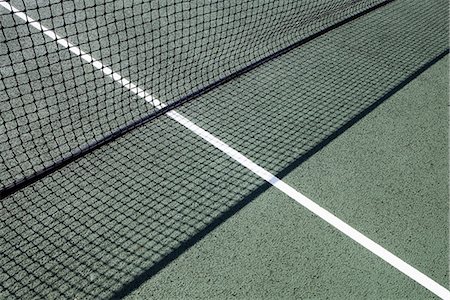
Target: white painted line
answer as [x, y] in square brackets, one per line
[83, 55]
[319, 211]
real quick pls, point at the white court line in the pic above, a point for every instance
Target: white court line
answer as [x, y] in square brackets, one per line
[83, 55]
[321, 212]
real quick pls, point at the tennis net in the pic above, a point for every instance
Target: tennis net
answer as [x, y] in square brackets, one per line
[117, 215]
[60, 98]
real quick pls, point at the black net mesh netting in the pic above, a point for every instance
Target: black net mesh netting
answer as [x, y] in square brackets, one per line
[101, 189]
[170, 48]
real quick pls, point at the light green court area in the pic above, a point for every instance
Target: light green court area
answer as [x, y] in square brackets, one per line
[387, 176]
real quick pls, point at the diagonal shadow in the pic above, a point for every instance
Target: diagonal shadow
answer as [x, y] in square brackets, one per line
[159, 265]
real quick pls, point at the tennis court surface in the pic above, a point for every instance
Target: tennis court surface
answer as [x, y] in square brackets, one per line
[224, 149]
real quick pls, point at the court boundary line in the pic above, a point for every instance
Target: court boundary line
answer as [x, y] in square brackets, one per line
[307, 203]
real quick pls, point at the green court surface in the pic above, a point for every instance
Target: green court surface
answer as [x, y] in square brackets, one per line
[387, 176]
[356, 119]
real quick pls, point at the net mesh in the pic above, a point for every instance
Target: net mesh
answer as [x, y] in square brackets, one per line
[62, 104]
[102, 224]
